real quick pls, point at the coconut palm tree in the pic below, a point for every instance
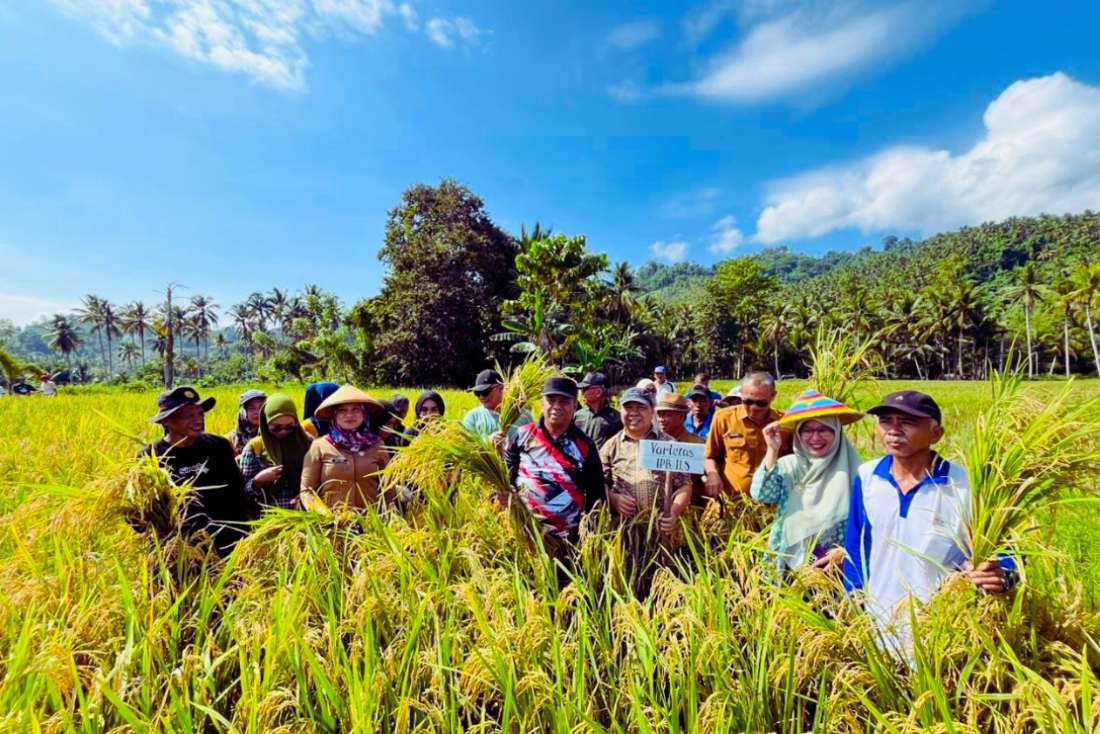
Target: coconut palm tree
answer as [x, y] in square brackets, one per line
[1028, 291]
[204, 314]
[91, 314]
[242, 322]
[129, 353]
[110, 330]
[1086, 280]
[64, 338]
[135, 318]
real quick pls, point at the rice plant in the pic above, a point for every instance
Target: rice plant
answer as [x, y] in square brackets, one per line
[437, 619]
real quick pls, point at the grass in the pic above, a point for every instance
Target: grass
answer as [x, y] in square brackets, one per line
[439, 620]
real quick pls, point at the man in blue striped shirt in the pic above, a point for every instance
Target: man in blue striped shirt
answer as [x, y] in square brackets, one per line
[908, 515]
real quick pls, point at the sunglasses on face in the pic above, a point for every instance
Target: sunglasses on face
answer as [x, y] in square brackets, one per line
[756, 403]
[282, 428]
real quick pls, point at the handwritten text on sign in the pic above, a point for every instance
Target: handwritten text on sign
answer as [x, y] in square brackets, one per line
[672, 456]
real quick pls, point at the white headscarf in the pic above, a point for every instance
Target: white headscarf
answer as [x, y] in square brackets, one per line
[820, 487]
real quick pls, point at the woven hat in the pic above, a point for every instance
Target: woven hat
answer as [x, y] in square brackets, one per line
[347, 395]
[812, 404]
[672, 401]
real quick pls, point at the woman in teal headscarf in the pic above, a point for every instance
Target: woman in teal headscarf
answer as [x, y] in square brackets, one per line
[812, 486]
[271, 463]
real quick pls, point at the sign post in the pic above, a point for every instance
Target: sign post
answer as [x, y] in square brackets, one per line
[686, 458]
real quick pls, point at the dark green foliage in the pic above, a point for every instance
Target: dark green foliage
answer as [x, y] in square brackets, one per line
[450, 268]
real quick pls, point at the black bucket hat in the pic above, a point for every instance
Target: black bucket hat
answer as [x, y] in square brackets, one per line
[172, 400]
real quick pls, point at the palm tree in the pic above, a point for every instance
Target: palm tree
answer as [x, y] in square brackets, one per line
[1029, 291]
[136, 318]
[110, 329]
[278, 303]
[1086, 280]
[91, 313]
[204, 314]
[258, 306]
[242, 322]
[64, 338]
[129, 354]
[623, 292]
[1063, 289]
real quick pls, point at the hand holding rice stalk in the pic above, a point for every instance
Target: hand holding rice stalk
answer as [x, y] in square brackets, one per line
[1024, 456]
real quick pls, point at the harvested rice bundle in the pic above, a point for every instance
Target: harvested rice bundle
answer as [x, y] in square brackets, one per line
[1024, 456]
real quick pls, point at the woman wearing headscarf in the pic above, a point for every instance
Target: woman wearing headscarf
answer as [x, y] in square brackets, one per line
[316, 393]
[341, 468]
[248, 419]
[429, 406]
[810, 487]
[272, 462]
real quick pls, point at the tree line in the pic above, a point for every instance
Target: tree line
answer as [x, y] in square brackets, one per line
[460, 293]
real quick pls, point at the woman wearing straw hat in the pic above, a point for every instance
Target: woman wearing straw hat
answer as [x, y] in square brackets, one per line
[341, 469]
[812, 486]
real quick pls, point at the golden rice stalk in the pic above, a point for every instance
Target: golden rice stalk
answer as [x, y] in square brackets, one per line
[1023, 456]
[150, 501]
[843, 363]
[444, 452]
[523, 387]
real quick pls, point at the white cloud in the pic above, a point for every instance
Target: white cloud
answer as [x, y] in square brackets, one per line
[789, 50]
[693, 204]
[445, 33]
[633, 35]
[409, 15]
[262, 39]
[1040, 153]
[22, 310]
[725, 236]
[672, 252]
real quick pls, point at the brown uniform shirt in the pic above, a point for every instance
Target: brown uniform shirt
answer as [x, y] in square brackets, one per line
[342, 477]
[736, 443]
[623, 473]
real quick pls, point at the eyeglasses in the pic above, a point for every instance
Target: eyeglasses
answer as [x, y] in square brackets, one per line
[821, 431]
[756, 403]
[281, 428]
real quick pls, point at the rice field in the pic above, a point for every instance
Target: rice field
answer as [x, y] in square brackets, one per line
[439, 620]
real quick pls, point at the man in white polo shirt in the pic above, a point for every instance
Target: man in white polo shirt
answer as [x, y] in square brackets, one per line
[907, 519]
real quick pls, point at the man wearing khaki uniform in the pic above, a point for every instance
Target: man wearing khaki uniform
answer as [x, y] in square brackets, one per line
[735, 445]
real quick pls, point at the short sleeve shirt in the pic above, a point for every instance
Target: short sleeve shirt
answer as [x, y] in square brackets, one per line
[736, 444]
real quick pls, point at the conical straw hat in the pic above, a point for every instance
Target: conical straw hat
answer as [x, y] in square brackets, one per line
[347, 395]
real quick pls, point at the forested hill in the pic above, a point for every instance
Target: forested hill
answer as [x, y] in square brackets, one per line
[986, 255]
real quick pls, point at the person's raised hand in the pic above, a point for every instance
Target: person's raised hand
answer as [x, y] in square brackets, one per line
[773, 436]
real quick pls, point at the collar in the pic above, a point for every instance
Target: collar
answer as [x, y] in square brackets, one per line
[651, 436]
[546, 431]
[941, 468]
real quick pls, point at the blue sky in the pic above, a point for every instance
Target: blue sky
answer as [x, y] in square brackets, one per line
[236, 145]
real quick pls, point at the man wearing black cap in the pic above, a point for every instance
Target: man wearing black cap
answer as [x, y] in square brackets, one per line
[485, 418]
[554, 466]
[908, 515]
[598, 420]
[191, 456]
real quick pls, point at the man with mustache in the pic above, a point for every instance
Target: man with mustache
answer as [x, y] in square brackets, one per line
[735, 444]
[908, 514]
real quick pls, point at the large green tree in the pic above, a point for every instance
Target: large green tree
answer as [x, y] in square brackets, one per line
[450, 268]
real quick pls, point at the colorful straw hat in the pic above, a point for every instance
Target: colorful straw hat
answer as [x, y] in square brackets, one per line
[812, 404]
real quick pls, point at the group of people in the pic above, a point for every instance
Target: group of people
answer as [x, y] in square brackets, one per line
[893, 527]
